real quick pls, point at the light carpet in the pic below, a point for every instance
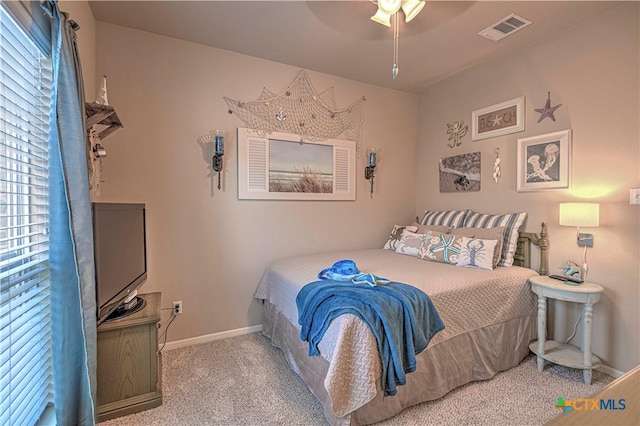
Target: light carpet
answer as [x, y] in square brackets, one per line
[244, 380]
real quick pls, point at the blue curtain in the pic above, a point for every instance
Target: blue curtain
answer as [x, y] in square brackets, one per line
[73, 312]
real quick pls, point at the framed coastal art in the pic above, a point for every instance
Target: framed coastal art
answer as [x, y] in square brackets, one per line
[544, 161]
[496, 120]
[460, 173]
[278, 166]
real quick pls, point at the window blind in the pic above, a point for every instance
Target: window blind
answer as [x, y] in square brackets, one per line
[25, 325]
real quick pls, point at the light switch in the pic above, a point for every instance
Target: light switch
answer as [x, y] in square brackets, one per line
[634, 196]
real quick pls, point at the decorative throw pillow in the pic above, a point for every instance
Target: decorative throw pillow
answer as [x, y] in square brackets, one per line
[511, 222]
[396, 234]
[410, 242]
[423, 229]
[477, 253]
[440, 247]
[486, 234]
[450, 218]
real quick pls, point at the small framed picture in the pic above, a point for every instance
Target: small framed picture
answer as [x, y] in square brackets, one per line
[460, 173]
[544, 161]
[496, 120]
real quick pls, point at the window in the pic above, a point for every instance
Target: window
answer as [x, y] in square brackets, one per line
[25, 325]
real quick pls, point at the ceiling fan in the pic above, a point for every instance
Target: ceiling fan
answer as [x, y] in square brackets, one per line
[389, 8]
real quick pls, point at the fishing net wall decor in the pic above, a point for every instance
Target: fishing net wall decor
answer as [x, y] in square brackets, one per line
[302, 111]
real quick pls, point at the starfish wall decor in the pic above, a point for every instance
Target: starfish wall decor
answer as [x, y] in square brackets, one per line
[548, 110]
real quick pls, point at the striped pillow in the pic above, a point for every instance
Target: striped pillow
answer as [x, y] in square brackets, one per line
[452, 218]
[511, 222]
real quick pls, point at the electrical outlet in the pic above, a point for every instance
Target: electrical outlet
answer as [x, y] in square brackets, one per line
[634, 196]
[177, 307]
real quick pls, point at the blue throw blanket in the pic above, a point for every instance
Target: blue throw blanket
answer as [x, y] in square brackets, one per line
[401, 317]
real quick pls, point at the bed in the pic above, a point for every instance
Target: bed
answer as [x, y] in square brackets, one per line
[489, 317]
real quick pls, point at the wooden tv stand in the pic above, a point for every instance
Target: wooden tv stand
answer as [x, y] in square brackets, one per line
[129, 364]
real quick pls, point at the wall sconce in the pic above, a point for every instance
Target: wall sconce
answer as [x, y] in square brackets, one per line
[581, 214]
[99, 151]
[218, 146]
[370, 170]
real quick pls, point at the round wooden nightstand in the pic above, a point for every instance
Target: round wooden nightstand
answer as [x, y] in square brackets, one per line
[588, 294]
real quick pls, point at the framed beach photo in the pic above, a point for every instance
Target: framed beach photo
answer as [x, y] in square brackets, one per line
[544, 161]
[278, 166]
[496, 120]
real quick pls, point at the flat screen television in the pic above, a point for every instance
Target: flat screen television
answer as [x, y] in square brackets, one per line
[120, 254]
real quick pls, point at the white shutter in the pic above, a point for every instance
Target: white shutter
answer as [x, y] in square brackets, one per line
[253, 165]
[25, 325]
[257, 164]
[341, 169]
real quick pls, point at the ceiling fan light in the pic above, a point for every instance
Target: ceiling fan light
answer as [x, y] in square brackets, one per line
[382, 18]
[411, 8]
[389, 6]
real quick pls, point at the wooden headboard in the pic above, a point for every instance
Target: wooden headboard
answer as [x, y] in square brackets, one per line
[522, 256]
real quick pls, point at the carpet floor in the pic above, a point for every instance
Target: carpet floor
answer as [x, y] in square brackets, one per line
[244, 380]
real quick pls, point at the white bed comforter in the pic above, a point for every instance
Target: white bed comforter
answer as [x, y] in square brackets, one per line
[466, 299]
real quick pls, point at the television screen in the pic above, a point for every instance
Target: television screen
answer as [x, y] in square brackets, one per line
[120, 253]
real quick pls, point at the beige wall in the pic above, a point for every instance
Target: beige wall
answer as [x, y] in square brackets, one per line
[206, 247]
[80, 11]
[592, 70]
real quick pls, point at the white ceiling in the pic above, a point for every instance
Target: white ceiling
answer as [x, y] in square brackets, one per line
[338, 38]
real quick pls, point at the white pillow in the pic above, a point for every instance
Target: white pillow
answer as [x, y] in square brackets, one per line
[485, 234]
[477, 253]
[410, 242]
[396, 234]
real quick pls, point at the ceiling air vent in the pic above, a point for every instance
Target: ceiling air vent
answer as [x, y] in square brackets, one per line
[505, 27]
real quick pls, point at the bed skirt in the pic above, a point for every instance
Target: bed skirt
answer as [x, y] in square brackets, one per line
[440, 368]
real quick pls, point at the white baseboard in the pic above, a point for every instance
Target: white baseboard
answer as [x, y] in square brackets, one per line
[211, 337]
[610, 371]
[255, 328]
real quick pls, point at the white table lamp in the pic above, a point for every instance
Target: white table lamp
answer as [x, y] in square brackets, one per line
[585, 215]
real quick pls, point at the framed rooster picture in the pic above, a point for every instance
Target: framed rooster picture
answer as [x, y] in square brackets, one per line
[544, 161]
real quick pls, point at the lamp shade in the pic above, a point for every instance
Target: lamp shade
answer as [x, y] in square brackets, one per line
[579, 214]
[382, 17]
[411, 8]
[389, 6]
